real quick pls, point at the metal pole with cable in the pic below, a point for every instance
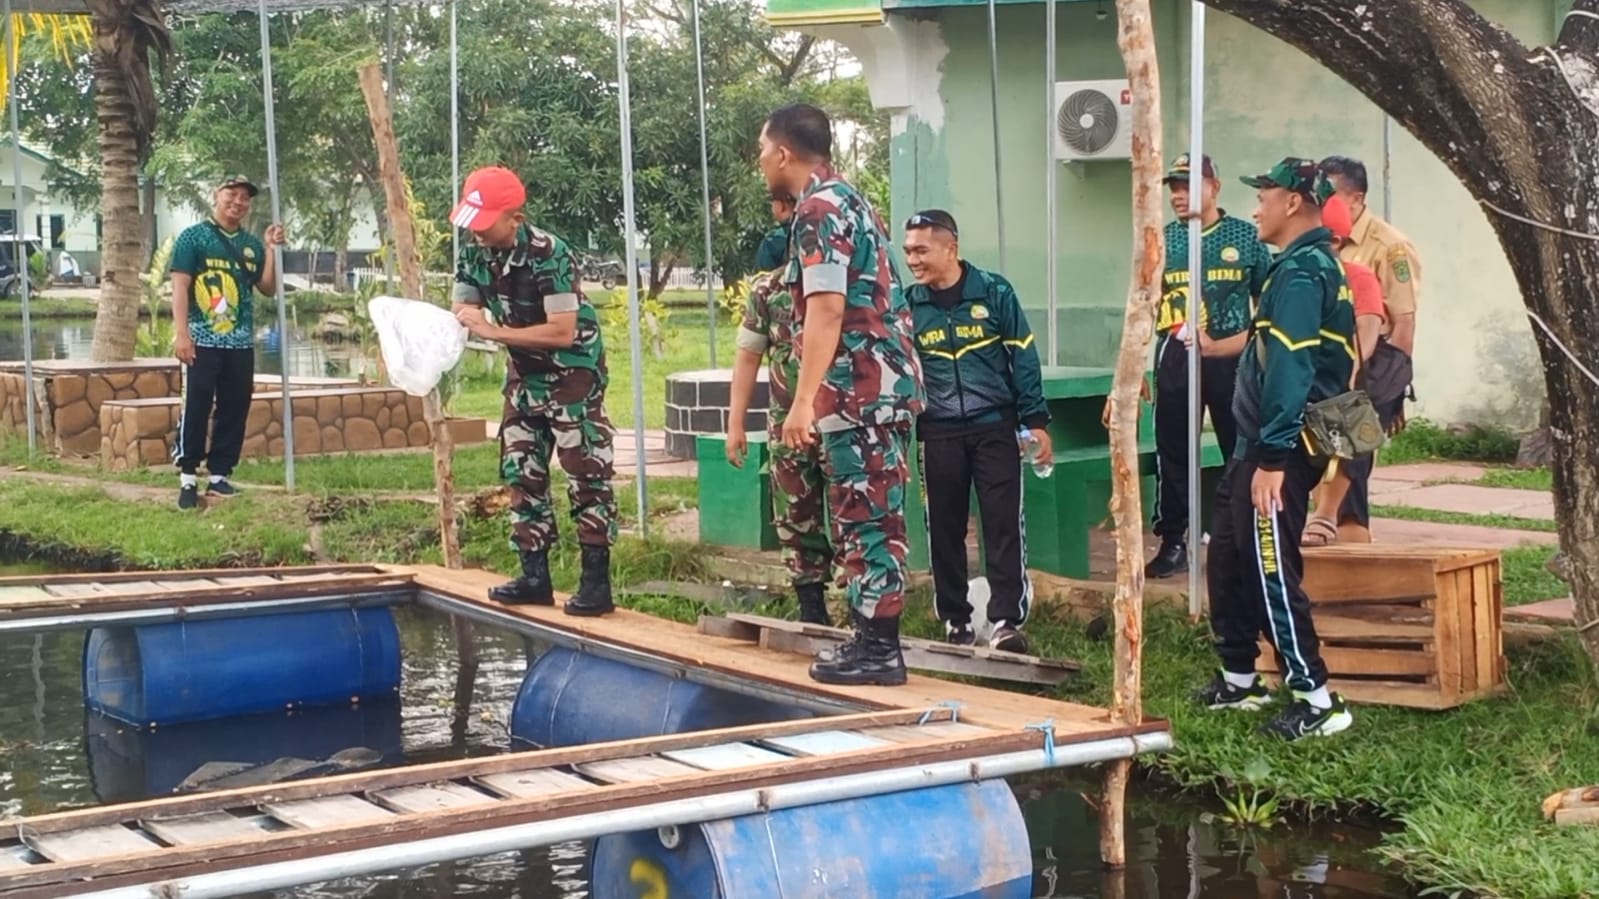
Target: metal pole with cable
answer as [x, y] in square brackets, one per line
[1050, 165]
[630, 254]
[19, 248]
[993, 101]
[1387, 168]
[455, 129]
[1196, 296]
[277, 250]
[705, 182]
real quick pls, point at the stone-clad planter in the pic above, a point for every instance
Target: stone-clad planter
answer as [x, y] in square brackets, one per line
[697, 403]
[140, 433]
[70, 395]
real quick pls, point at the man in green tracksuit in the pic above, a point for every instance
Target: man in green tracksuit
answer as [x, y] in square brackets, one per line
[1300, 351]
[983, 380]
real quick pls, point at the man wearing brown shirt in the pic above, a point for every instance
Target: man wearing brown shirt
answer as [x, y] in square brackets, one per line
[1390, 255]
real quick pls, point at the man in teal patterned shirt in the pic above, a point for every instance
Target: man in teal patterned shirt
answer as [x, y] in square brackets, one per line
[1233, 271]
[217, 267]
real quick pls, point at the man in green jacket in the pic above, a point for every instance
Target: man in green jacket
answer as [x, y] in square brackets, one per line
[1300, 351]
[773, 250]
[983, 382]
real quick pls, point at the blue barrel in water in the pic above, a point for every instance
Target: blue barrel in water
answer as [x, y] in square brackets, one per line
[160, 674]
[951, 842]
[127, 764]
[569, 698]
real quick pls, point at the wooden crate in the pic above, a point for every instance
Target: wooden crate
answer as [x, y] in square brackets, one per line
[1416, 626]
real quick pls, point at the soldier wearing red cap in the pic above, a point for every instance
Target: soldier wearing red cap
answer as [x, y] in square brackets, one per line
[518, 286]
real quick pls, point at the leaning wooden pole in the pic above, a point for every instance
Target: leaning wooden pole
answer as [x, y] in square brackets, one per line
[412, 284]
[409, 264]
[1136, 38]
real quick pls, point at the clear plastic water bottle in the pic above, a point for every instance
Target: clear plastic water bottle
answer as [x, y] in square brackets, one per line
[1042, 467]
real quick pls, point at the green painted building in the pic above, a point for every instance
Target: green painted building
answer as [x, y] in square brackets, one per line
[927, 64]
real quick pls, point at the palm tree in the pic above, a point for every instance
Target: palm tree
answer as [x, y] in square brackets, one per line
[125, 34]
[120, 35]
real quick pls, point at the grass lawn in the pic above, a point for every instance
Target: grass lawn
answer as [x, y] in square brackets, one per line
[685, 347]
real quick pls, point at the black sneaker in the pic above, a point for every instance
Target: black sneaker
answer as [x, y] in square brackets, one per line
[1219, 694]
[1301, 719]
[1171, 560]
[959, 634]
[1006, 638]
[221, 488]
[188, 496]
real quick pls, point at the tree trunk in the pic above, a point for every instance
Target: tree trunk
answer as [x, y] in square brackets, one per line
[1519, 128]
[116, 320]
[341, 264]
[1136, 39]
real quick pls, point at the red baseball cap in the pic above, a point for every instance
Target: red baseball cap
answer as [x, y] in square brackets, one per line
[488, 194]
[1335, 216]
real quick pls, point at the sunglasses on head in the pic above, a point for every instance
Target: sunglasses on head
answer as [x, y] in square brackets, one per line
[926, 221]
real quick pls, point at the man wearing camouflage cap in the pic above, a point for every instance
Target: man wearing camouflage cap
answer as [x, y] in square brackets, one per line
[1300, 351]
[554, 385]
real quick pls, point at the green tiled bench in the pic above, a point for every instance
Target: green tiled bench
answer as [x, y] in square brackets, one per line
[1065, 508]
[736, 503]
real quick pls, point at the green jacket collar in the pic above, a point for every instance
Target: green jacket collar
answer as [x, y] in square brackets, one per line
[977, 286]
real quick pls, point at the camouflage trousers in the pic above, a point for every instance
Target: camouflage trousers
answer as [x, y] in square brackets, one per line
[798, 498]
[867, 474]
[560, 414]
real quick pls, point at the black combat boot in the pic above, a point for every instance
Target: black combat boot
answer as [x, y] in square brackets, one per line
[872, 657]
[533, 587]
[812, 603]
[593, 596]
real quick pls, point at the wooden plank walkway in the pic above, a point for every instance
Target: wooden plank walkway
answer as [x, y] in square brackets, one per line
[730, 656]
[36, 598]
[928, 725]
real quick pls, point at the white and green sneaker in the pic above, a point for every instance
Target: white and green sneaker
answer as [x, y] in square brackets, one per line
[1301, 719]
[1219, 694]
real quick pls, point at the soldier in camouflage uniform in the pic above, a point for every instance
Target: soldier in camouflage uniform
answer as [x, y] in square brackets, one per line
[798, 479]
[554, 385]
[859, 386]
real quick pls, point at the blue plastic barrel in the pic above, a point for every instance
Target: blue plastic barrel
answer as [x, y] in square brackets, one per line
[569, 698]
[127, 764]
[951, 842]
[160, 674]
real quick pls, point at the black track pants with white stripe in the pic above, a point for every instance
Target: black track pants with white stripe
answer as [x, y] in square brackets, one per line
[951, 466]
[1254, 575]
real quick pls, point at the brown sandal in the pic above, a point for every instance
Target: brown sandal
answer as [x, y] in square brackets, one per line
[1319, 532]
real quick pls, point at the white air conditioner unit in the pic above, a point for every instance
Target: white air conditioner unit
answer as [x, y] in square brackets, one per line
[1093, 120]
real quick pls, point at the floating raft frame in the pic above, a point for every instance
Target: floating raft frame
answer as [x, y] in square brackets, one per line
[870, 741]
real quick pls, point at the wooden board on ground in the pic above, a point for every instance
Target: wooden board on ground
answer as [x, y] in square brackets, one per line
[923, 655]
